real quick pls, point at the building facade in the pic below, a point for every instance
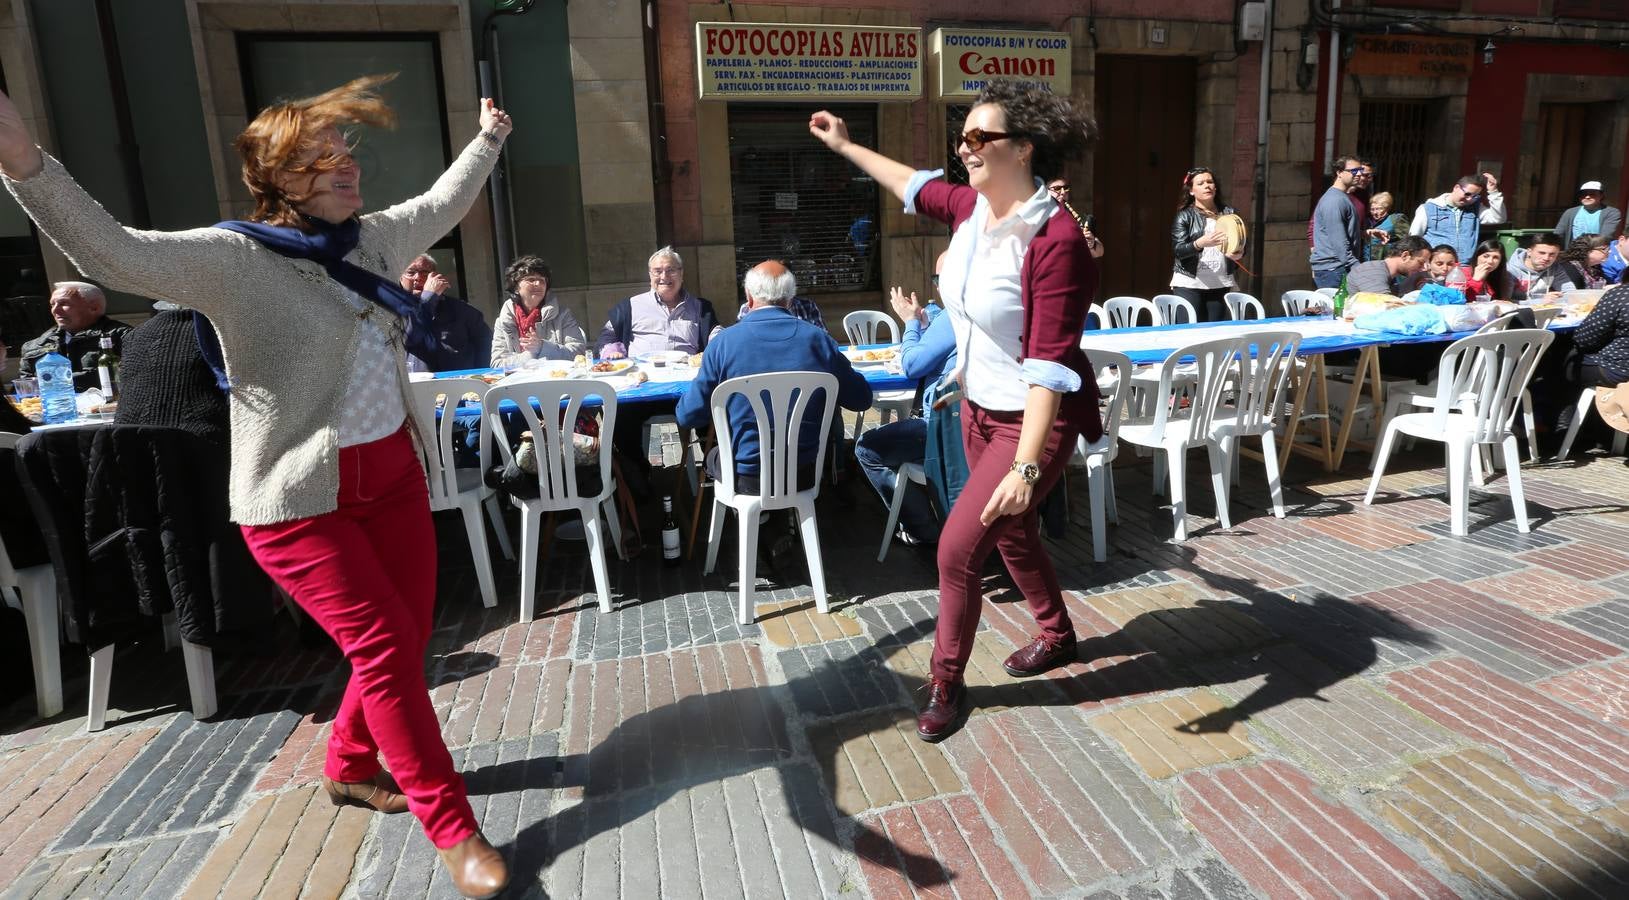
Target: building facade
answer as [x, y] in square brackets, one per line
[630, 134]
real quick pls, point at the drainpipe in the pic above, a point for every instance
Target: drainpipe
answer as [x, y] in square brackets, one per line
[135, 187]
[1332, 77]
[661, 167]
[1257, 251]
[490, 75]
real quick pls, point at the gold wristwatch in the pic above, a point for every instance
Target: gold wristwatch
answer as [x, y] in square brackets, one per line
[1028, 471]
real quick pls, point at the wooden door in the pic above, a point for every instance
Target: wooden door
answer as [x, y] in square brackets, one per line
[1145, 114]
[1553, 185]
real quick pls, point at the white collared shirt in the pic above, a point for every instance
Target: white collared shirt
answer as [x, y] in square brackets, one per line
[982, 291]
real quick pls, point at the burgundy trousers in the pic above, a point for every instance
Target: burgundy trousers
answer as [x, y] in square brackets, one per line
[991, 440]
[366, 573]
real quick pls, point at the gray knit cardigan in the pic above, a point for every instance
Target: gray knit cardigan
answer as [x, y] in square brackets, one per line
[287, 333]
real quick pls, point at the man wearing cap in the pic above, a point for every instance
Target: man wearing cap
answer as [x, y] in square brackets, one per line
[1590, 216]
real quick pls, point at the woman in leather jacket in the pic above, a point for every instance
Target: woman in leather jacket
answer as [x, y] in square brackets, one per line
[1202, 273]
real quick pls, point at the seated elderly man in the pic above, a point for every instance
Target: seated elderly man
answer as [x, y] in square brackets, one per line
[801, 306]
[462, 337]
[80, 311]
[770, 339]
[927, 354]
[667, 317]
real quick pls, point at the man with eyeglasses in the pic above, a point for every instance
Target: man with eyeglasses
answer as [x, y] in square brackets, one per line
[1059, 189]
[1335, 227]
[1456, 218]
[463, 339]
[665, 318]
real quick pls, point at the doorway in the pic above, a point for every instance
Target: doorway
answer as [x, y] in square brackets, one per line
[1145, 116]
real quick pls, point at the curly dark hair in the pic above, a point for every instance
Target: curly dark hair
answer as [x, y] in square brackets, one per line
[1059, 130]
[522, 267]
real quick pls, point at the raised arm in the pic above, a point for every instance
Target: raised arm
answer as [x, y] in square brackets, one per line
[891, 174]
[416, 223]
[192, 268]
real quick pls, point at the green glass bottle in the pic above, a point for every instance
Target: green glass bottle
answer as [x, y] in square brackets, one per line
[1339, 301]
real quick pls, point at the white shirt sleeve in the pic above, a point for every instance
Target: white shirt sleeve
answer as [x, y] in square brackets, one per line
[1418, 225]
[1494, 212]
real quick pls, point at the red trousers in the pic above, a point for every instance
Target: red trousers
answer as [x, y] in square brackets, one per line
[366, 573]
[991, 440]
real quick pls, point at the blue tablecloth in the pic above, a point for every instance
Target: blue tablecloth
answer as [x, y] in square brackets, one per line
[1311, 346]
[671, 391]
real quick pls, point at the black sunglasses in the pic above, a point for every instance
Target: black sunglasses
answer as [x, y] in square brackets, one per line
[976, 138]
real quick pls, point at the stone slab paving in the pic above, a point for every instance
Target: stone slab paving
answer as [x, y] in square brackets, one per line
[1347, 702]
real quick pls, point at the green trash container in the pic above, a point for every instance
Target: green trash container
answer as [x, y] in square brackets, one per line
[1510, 236]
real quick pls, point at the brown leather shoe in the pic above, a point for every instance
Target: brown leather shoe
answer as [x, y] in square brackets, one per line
[477, 870]
[1042, 655]
[382, 794]
[944, 712]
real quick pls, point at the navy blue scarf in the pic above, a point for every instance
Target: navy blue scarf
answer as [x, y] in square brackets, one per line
[328, 245]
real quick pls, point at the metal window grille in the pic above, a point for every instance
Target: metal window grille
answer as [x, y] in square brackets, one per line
[955, 118]
[798, 202]
[1392, 134]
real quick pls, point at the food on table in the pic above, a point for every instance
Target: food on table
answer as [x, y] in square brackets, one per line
[695, 359]
[638, 377]
[580, 361]
[611, 365]
[872, 355]
[491, 377]
[32, 407]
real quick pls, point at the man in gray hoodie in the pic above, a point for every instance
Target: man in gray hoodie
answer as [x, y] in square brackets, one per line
[1335, 227]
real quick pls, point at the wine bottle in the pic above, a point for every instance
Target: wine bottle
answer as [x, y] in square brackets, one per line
[670, 534]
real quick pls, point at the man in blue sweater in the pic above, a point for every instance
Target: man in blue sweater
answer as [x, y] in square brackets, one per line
[771, 339]
[1335, 227]
[927, 354]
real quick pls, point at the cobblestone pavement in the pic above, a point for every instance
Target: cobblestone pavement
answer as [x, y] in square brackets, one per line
[1345, 702]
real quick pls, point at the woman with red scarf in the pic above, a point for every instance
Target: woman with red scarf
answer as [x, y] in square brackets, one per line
[533, 324]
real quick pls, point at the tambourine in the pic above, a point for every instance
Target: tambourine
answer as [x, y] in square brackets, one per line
[1232, 226]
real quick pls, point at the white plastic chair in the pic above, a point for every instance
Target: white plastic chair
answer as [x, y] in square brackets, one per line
[1175, 430]
[781, 402]
[1097, 311]
[1127, 312]
[1263, 377]
[33, 590]
[41, 616]
[907, 474]
[559, 401]
[1327, 292]
[868, 326]
[1242, 306]
[1099, 454]
[1581, 411]
[1171, 310]
[1295, 302]
[1479, 383]
[1402, 394]
[455, 488]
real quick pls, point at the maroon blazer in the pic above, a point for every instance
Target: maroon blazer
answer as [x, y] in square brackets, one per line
[1057, 283]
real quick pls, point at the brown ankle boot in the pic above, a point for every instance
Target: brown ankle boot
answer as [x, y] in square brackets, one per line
[477, 870]
[381, 794]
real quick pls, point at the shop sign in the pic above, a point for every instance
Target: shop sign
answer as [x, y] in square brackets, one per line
[745, 61]
[1410, 56]
[966, 59]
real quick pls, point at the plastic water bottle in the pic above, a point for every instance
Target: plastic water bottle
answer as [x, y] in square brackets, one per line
[56, 377]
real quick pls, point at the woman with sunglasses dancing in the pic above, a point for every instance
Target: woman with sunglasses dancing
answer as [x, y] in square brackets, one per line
[1018, 279]
[325, 480]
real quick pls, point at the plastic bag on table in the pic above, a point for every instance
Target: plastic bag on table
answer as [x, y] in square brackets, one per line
[1440, 295]
[1468, 316]
[1416, 318]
